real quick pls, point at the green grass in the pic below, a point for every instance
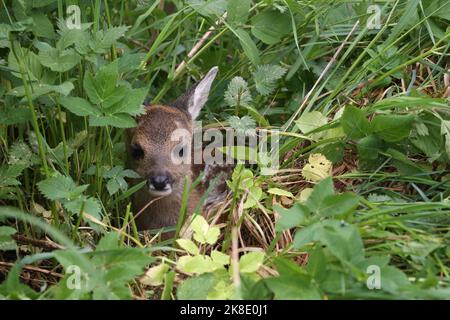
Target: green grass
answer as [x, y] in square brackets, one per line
[374, 101]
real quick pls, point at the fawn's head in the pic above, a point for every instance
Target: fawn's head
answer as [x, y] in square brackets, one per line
[161, 142]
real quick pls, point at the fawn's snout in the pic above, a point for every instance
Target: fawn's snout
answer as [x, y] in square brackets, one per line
[160, 183]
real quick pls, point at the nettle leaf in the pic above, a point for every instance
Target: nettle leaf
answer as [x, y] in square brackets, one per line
[20, 154]
[266, 76]
[392, 127]
[120, 120]
[251, 262]
[65, 190]
[355, 123]
[101, 88]
[57, 188]
[33, 67]
[11, 115]
[116, 180]
[104, 39]
[131, 102]
[84, 204]
[79, 106]
[238, 93]
[9, 174]
[317, 168]
[58, 60]
[271, 26]
[6, 241]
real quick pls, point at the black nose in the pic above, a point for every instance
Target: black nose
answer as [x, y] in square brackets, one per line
[159, 182]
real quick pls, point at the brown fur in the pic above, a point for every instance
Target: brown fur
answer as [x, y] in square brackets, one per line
[153, 135]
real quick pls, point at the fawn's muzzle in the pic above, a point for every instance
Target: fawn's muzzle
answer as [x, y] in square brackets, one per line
[160, 184]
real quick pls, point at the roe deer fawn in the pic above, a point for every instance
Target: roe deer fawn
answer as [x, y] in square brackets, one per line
[152, 152]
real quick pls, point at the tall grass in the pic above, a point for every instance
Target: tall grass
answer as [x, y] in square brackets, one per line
[63, 173]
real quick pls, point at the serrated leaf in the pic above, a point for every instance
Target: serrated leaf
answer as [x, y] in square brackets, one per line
[238, 93]
[6, 241]
[58, 60]
[266, 76]
[392, 127]
[79, 106]
[355, 123]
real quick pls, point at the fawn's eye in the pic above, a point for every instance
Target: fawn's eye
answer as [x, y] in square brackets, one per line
[136, 151]
[181, 152]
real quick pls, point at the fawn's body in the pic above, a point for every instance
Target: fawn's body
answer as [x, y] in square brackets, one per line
[163, 137]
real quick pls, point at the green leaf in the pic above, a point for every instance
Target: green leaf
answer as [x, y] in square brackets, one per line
[321, 191]
[251, 262]
[280, 192]
[79, 106]
[392, 127]
[155, 275]
[355, 123]
[310, 121]
[250, 49]
[238, 93]
[197, 264]
[203, 233]
[101, 89]
[103, 40]
[210, 8]
[369, 147]
[220, 258]
[6, 241]
[292, 217]
[57, 188]
[338, 205]
[189, 246]
[58, 60]
[270, 26]
[266, 76]
[238, 11]
[293, 287]
[119, 120]
[197, 288]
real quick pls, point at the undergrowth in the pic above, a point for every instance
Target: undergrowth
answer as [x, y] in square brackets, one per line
[359, 208]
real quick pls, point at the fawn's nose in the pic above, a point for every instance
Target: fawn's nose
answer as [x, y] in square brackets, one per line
[160, 182]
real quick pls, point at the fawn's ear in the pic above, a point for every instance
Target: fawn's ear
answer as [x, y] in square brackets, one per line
[194, 100]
